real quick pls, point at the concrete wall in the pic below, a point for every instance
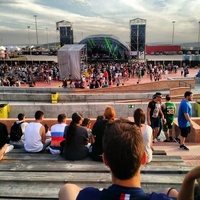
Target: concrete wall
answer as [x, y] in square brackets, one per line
[64, 98]
[179, 91]
[194, 136]
[91, 110]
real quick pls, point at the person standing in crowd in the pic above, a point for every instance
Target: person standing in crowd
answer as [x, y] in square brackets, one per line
[35, 135]
[98, 132]
[155, 114]
[57, 133]
[17, 131]
[76, 139]
[123, 153]
[147, 132]
[169, 110]
[64, 83]
[184, 119]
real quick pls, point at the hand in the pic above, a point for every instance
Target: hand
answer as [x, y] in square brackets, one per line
[92, 139]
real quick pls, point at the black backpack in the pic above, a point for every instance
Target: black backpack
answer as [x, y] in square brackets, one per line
[16, 132]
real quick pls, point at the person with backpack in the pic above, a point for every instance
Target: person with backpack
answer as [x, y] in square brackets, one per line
[17, 131]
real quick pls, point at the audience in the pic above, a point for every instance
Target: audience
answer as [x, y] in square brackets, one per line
[146, 130]
[57, 133]
[87, 125]
[17, 131]
[98, 132]
[76, 139]
[123, 153]
[35, 135]
[4, 139]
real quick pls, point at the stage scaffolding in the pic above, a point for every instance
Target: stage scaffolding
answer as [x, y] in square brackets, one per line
[66, 32]
[138, 38]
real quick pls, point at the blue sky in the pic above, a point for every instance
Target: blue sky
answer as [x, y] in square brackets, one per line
[98, 16]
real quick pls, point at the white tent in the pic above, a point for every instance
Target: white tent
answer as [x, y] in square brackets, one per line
[69, 60]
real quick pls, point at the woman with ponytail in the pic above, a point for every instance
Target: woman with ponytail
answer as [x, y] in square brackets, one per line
[76, 139]
[146, 130]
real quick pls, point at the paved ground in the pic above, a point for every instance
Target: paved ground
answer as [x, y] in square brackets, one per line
[145, 79]
[191, 157]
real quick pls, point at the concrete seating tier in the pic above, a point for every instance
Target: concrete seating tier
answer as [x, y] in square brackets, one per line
[41, 175]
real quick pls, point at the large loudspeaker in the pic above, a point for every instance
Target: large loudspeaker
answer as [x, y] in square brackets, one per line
[133, 37]
[66, 35]
[141, 39]
[138, 37]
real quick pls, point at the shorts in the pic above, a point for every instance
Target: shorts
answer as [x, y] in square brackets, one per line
[155, 122]
[185, 131]
[167, 126]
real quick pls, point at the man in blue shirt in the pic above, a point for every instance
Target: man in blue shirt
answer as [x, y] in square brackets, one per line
[184, 118]
[123, 153]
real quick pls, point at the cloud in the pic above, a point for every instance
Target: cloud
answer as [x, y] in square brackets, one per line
[9, 1]
[81, 2]
[93, 17]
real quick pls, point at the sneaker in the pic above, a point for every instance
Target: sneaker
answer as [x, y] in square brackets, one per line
[155, 140]
[177, 140]
[183, 147]
[171, 139]
[9, 148]
[167, 141]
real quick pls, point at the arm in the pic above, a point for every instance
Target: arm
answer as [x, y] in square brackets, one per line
[187, 188]
[148, 116]
[69, 192]
[43, 134]
[162, 115]
[187, 117]
[2, 151]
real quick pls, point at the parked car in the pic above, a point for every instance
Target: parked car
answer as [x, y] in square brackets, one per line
[180, 53]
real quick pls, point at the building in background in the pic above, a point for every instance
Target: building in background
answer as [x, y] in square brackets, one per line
[163, 49]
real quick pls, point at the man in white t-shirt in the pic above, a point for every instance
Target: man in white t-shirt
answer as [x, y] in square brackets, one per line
[35, 136]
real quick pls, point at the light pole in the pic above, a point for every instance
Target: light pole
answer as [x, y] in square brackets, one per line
[28, 27]
[199, 38]
[47, 34]
[29, 40]
[36, 30]
[173, 33]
